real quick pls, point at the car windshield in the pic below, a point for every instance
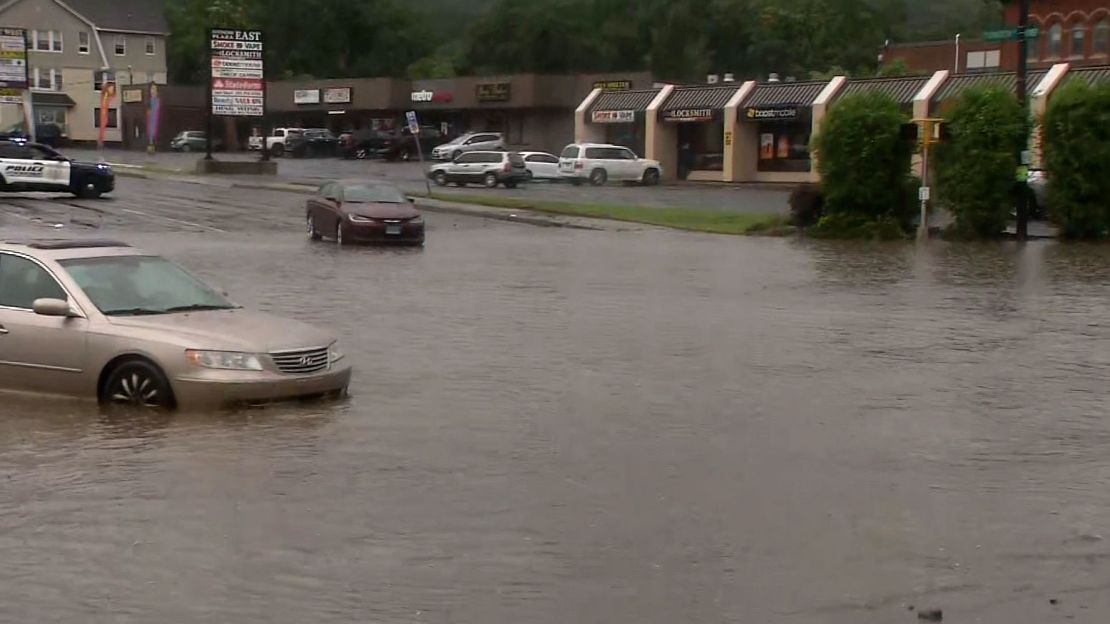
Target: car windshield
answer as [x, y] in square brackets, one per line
[372, 193]
[141, 285]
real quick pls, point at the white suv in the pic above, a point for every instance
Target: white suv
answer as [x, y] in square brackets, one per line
[599, 163]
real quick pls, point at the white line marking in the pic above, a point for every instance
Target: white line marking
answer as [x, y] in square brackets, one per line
[172, 220]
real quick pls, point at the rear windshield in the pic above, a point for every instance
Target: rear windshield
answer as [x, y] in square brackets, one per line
[516, 159]
[372, 193]
[570, 151]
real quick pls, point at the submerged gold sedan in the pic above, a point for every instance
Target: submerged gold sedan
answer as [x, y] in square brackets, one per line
[100, 319]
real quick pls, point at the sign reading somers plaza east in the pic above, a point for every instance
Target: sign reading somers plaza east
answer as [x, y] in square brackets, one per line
[238, 75]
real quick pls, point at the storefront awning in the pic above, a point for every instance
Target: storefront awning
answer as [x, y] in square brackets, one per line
[783, 94]
[959, 83]
[714, 98]
[624, 100]
[1091, 75]
[51, 99]
[902, 90]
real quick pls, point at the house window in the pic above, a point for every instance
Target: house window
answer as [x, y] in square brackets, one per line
[46, 79]
[1055, 41]
[1078, 39]
[983, 60]
[121, 45]
[1032, 49]
[46, 40]
[112, 114]
[51, 115]
[83, 42]
[150, 46]
[100, 77]
[1101, 39]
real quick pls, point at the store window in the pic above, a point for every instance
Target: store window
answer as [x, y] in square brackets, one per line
[1078, 41]
[1100, 42]
[784, 146]
[630, 135]
[1055, 41]
[701, 146]
[51, 115]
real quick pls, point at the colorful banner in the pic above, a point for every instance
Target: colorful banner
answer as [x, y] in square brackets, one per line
[107, 96]
[152, 116]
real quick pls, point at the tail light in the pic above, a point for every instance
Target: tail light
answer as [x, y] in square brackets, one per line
[579, 165]
[508, 166]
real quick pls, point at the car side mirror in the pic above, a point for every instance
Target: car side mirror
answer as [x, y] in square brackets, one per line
[52, 307]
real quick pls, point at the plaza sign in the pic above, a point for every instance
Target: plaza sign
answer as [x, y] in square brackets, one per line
[237, 84]
[13, 65]
[618, 116]
[306, 96]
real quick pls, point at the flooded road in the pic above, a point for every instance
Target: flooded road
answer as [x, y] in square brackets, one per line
[554, 425]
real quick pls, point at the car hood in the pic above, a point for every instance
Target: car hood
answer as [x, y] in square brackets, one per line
[382, 211]
[228, 330]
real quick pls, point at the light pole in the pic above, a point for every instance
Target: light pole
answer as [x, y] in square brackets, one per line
[1022, 69]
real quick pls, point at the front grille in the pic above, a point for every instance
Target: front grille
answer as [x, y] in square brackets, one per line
[301, 361]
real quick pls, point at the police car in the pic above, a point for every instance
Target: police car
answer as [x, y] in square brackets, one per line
[28, 166]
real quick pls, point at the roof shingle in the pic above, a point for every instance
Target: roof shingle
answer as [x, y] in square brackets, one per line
[700, 97]
[959, 83]
[902, 90]
[624, 100]
[123, 15]
[785, 94]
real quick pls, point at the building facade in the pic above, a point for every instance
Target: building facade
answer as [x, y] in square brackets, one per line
[1076, 32]
[72, 44]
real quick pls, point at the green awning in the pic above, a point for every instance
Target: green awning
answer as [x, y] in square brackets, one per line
[39, 98]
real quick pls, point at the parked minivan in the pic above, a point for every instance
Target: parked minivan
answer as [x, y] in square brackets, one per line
[599, 163]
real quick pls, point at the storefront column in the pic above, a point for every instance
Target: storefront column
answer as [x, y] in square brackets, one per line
[733, 152]
[922, 108]
[584, 131]
[1038, 105]
[660, 139]
[819, 108]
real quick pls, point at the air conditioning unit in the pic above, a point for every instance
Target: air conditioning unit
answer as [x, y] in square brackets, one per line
[712, 79]
[773, 78]
[730, 77]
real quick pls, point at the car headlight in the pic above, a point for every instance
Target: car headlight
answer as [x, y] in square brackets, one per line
[359, 219]
[416, 221]
[224, 360]
[334, 353]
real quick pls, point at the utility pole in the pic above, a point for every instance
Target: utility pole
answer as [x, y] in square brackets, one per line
[1022, 69]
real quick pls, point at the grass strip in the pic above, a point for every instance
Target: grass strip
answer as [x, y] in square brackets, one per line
[690, 219]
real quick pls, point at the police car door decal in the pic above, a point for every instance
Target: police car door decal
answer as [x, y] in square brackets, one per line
[23, 171]
[55, 171]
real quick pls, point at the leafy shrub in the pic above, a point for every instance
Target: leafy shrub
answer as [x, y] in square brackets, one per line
[806, 205]
[864, 161]
[977, 166]
[844, 225]
[1076, 131]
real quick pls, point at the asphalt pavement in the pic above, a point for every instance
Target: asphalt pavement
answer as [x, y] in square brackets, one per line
[410, 178]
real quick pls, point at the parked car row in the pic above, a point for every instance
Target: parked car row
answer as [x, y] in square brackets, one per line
[588, 162]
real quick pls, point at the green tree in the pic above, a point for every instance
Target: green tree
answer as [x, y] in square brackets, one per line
[863, 160]
[1076, 131]
[977, 166]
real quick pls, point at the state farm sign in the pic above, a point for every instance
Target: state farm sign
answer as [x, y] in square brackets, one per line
[423, 97]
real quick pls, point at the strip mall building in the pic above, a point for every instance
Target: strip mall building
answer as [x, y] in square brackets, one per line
[761, 132]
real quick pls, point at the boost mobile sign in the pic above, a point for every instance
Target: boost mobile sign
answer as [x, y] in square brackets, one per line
[771, 114]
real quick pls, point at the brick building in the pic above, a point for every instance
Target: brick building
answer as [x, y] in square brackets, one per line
[1073, 31]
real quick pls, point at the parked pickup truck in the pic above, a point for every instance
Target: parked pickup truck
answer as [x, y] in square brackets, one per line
[276, 142]
[389, 144]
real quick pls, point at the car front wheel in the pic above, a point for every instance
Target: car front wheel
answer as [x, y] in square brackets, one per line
[137, 383]
[651, 177]
[87, 190]
[440, 178]
[598, 177]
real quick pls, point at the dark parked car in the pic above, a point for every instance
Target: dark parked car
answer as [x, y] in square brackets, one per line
[486, 168]
[313, 142]
[45, 133]
[359, 211]
[390, 144]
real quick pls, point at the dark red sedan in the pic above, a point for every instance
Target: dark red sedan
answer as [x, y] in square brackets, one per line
[359, 211]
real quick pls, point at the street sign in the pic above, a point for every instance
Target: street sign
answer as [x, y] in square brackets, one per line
[1010, 34]
[923, 193]
[414, 125]
[237, 84]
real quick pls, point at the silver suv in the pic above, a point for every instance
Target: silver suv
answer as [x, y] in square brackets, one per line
[470, 142]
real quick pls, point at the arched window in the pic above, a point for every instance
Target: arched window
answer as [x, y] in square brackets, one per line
[1078, 40]
[1033, 46]
[1055, 41]
[1100, 43]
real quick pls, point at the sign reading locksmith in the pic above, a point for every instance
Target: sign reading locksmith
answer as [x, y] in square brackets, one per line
[689, 114]
[237, 83]
[617, 116]
[782, 113]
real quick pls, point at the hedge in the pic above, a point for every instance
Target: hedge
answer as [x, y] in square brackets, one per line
[1076, 132]
[977, 165]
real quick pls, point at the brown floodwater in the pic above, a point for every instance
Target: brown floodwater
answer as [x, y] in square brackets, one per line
[553, 426]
